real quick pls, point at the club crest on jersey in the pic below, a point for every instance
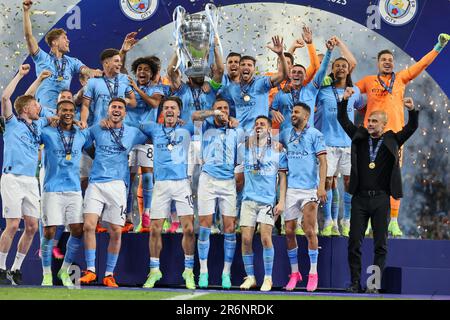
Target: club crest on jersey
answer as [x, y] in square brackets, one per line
[138, 10]
[397, 12]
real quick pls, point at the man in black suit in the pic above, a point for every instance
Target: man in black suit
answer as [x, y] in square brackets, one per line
[375, 176]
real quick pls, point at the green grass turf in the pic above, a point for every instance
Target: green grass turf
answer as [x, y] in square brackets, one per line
[82, 294]
[226, 296]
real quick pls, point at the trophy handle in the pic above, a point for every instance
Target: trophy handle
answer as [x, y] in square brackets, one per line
[178, 19]
[212, 13]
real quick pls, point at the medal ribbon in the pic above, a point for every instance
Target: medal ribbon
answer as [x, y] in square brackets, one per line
[59, 69]
[32, 128]
[294, 135]
[372, 154]
[118, 138]
[196, 92]
[259, 156]
[244, 88]
[391, 84]
[67, 145]
[170, 135]
[115, 93]
[336, 94]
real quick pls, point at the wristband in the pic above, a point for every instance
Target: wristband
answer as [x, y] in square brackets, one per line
[215, 85]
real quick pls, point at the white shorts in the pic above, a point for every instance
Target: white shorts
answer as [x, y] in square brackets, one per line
[85, 165]
[253, 212]
[164, 192]
[141, 156]
[211, 189]
[62, 208]
[296, 199]
[20, 196]
[108, 200]
[338, 161]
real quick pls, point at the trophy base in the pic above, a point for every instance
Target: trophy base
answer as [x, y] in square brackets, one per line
[197, 71]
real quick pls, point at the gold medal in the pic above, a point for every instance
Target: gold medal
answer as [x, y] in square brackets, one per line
[68, 156]
[246, 98]
[170, 147]
[372, 165]
[60, 78]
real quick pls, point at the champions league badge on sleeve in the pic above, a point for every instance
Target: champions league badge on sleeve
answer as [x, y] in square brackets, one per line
[138, 10]
[398, 12]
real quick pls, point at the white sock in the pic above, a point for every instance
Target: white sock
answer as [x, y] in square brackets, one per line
[204, 266]
[3, 256]
[55, 243]
[268, 277]
[47, 270]
[313, 269]
[294, 267]
[66, 266]
[147, 211]
[92, 269]
[394, 219]
[327, 223]
[335, 222]
[226, 267]
[108, 274]
[18, 261]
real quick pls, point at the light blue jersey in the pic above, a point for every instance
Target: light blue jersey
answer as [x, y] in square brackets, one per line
[257, 94]
[62, 174]
[21, 145]
[169, 164]
[100, 91]
[261, 176]
[143, 112]
[332, 131]
[219, 150]
[62, 72]
[302, 151]
[284, 101]
[111, 152]
[194, 99]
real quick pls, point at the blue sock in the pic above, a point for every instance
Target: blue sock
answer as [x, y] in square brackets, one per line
[111, 261]
[46, 252]
[268, 254]
[59, 232]
[41, 230]
[154, 263]
[293, 259]
[72, 246]
[313, 255]
[335, 204]
[248, 264]
[229, 247]
[203, 248]
[147, 189]
[327, 206]
[188, 262]
[90, 258]
[347, 205]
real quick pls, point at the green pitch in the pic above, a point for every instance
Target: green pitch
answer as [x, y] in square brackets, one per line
[9, 293]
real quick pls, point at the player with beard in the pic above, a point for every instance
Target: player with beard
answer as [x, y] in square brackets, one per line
[306, 188]
[61, 198]
[106, 195]
[232, 65]
[249, 98]
[217, 184]
[264, 167]
[19, 186]
[285, 100]
[62, 67]
[171, 145]
[385, 91]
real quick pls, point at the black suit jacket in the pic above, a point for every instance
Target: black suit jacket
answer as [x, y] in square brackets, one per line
[392, 141]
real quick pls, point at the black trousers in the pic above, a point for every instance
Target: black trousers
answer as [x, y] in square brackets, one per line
[364, 207]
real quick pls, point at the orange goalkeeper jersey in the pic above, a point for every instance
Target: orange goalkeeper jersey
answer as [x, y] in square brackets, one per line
[380, 99]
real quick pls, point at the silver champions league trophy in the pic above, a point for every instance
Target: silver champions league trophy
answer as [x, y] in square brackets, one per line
[194, 37]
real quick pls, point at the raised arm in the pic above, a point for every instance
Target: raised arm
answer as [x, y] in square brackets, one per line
[218, 61]
[35, 85]
[314, 64]
[412, 125]
[320, 75]
[277, 47]
[9, 90]
[346, 53]
[174, 75]
[27, 29]
[128, 43]
[342, 115]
